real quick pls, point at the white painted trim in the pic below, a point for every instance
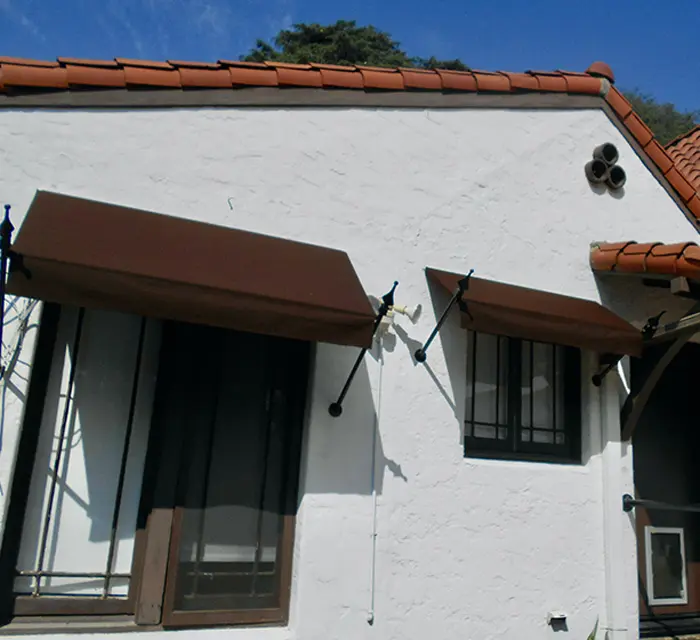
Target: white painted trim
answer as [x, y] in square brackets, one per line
[613, 517]
[648, 532]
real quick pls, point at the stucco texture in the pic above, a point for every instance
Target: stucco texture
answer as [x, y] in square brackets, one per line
[465, 548]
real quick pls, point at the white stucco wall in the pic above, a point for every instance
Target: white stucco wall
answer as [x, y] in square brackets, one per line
[465, 548]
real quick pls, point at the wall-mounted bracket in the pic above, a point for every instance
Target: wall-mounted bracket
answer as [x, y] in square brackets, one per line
[609, 361]
[669, 340]
[462, 286]
[336, 408]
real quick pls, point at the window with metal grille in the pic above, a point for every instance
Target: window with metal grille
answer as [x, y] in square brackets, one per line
[523, 399]
[143, 436]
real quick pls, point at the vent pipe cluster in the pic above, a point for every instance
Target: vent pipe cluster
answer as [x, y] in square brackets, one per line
[604, 167]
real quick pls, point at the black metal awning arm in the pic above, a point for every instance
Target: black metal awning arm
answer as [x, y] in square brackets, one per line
[629, 503]
[336, 408]
[609, 361]
[689, 325]
[462, 286]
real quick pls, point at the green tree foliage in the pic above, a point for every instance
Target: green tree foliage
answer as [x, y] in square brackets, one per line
[345, 43]
[433, 63]
[341, 43]
[663, 119]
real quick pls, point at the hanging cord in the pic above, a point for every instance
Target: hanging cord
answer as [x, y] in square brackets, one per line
[375, 432]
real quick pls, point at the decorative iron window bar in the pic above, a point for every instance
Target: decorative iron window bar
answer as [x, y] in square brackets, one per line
[515, 427]
[40, 573]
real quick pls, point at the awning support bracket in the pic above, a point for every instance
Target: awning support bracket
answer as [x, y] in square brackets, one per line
[463, 285]
[336, 408]
[610, 360]
[629, 502]
[597, 378]
[677, 334]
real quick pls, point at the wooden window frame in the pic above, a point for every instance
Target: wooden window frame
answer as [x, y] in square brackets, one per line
[512, 447]
[153, 572]
[18, 606]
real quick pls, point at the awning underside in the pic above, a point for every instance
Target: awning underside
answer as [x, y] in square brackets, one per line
[99, 255]
[530, 314]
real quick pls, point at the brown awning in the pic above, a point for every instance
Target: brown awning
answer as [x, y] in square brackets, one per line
[99, 255]
[544, 317]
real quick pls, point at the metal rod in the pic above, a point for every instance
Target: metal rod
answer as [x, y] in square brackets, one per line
[125, 457]
[68, 574]
[532, 390]
[208, 455]
[420, 354]
[498, 381]
[6, 230]
[336, 408]
[688, 323]
[263, 479]
[629, 503]
[597, 378]
[62, 434]
[554, 391]
[473, 381]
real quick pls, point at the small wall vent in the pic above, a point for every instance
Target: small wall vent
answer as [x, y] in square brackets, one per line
[603, 168]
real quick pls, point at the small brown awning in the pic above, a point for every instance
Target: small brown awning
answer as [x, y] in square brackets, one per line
[530, 314]
[99, 255]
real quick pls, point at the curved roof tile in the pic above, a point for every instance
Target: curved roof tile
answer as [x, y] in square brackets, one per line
[653, 258]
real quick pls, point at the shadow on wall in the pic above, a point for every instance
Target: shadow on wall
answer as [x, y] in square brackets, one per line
[17, 328]
[602, 189]
[342, 453]
[628, 297]
[452, 339]
[94, 428]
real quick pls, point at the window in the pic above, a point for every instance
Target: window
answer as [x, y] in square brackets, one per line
[665, 566]
[161, 462]
[523, 399]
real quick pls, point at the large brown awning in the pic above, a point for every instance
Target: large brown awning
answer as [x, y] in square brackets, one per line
[544, 317]
[99, 255]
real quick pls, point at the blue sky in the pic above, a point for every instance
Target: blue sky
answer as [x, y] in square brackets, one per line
[652, 48]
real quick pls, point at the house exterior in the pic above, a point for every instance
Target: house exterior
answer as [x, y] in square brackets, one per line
[169, 460]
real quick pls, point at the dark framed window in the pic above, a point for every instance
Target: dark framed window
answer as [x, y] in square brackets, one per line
[157, 473]
[523, 399]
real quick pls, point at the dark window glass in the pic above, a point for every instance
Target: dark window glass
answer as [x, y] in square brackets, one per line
[237, 470]
[523, 398]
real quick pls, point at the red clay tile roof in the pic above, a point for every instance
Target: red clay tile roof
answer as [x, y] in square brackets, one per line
[19, 76]
[685, 152]
[652, 258]
[73, 73]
